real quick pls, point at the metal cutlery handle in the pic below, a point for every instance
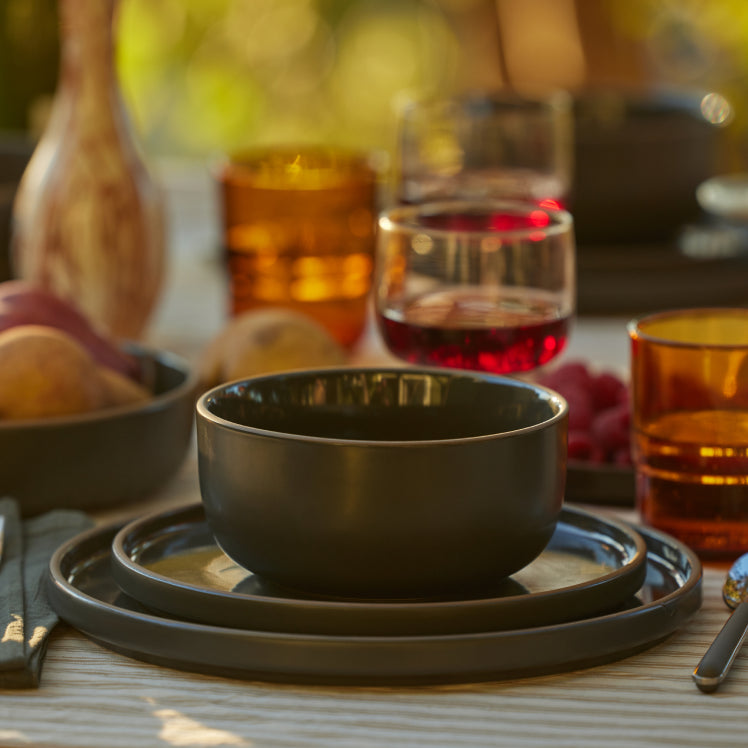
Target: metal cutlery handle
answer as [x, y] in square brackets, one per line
[717, 660]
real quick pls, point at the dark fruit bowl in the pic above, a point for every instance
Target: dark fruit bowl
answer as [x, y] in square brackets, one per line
[600, 483]
[382, 482]
[104, 458]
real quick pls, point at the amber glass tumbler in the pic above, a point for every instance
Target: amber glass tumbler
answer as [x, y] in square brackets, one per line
[298, 227]
[690, 426]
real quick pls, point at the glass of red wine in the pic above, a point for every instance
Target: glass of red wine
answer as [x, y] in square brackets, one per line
[488, 286]
[485, 146]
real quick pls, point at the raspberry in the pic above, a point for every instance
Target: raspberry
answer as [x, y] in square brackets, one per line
[582, 448]
[607, 390]
[610, 428]
[571, 373]
[622, 457]
[599, 413]
[581, 410]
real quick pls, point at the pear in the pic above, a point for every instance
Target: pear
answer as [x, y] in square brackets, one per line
[117, 389]
[267, 341]
[45, 372]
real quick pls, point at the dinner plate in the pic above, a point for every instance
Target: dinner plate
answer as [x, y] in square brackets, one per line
[84, 594]
[169, 561]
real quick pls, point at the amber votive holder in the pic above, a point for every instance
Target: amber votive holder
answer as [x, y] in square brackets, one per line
[298, 232]
[689, 384]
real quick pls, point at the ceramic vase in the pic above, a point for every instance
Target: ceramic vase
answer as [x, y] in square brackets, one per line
[88, 218]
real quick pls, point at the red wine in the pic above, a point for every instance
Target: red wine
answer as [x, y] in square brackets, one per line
[469, 331]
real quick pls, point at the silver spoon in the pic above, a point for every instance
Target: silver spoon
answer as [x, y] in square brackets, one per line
[718, 659]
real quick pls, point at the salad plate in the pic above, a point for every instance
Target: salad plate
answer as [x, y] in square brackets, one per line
[170, 562]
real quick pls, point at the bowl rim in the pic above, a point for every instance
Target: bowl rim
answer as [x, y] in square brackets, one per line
[155, 403]
[204, 414]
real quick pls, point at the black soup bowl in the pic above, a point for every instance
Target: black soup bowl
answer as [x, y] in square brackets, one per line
[383, 483]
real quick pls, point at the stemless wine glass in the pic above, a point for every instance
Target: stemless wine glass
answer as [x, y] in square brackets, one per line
[486, 146]
[475, 285]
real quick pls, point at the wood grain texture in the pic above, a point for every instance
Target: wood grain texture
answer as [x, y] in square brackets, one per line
[93, 697]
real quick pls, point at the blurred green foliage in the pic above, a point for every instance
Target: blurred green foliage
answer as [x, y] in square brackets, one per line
[218, 75]
[207, 76]
[29, 58]
[201, 76]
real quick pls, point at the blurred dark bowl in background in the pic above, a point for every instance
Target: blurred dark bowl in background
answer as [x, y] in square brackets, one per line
[15, 151]
[638, 161]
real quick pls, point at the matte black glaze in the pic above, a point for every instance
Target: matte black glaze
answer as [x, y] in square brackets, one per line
[381, 406]
[169, 562]
[396, 482]
[83, 593]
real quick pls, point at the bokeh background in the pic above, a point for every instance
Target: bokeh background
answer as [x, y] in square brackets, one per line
[205, 76]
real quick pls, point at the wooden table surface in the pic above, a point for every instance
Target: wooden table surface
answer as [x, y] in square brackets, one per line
[91, 696]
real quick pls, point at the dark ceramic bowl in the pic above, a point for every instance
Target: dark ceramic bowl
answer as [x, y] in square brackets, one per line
[105, 458]
[639, 158]
[382, 483]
